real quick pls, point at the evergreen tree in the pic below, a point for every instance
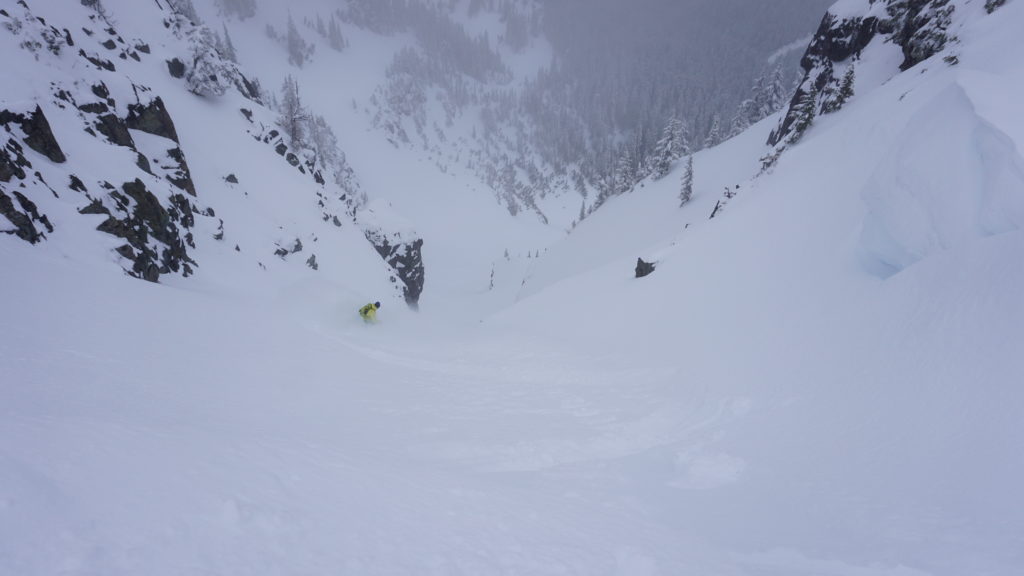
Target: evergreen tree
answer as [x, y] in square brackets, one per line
[806, 110]
[625, 173]
[991, 5]
[228, 47]
[186, 9]
[209, 75]
[97, 6]
[323, 142]
[345, 178]
[767, 96]
[668, 149]
[714, 133]
[686, 193]
[579, 183]
[681, 138]
[775, 95]
[292, 116]
[741, 121]
[846, 88]
[845, 92]
[241, 8]
[334, 37]
[297, 47]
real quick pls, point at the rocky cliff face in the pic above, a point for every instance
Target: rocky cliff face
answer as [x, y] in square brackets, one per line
[405, 256]
[149, 205]
[921, 28]
[93, 141]
[31, 130]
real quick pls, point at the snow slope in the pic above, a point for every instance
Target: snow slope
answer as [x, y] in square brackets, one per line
[822, 380]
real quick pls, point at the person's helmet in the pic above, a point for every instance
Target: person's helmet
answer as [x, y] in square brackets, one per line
[376, 304]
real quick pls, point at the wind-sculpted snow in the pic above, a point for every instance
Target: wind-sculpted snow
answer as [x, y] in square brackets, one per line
[942, 184]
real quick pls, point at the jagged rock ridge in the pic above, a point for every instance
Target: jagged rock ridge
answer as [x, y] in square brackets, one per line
[921, 28]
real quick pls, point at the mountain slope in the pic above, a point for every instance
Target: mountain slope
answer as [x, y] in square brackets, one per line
[132, 137]
[822, 379]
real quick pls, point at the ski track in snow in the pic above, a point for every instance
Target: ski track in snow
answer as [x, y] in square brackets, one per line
[489, 462]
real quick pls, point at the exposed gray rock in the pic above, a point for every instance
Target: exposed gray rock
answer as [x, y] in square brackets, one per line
[643, 268]
[158, 246]
[152, 118]
[24, 219]
[919, 27]
[77, 185]
[176, 68]
[101, 91]
[13, 162]
[143, 163]
[94, 207]
[115, 130]
[406, 258]
[182, 178]
[38, 135]
[98, 62]
[95, 108]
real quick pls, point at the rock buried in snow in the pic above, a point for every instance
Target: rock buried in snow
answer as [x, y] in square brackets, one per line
[643, 268]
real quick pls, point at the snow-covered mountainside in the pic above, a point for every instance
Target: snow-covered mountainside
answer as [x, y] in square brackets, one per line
[821, 376]
[109, 121]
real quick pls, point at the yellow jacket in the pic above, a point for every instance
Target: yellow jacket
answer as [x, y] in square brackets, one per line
[369, 312]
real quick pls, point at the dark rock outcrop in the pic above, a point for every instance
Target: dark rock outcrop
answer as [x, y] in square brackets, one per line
[115, 130]
[98, 62]
[151, 231]
[919, 27]
[77, 185]
[38, 135]
[250, 89]
[152, 118]
[182, 177]
[13, 162]
[24, 219]
[176, 68]
[643, 268]
[406, 258]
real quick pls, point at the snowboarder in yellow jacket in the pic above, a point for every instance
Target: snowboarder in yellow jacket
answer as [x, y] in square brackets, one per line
[369, 312]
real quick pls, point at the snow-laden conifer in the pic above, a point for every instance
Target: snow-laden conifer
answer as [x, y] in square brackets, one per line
[209, 74]
[292, 114]
[686, 193]
[240, 8]
[670, 148]
[298, 49]
[714, 136]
